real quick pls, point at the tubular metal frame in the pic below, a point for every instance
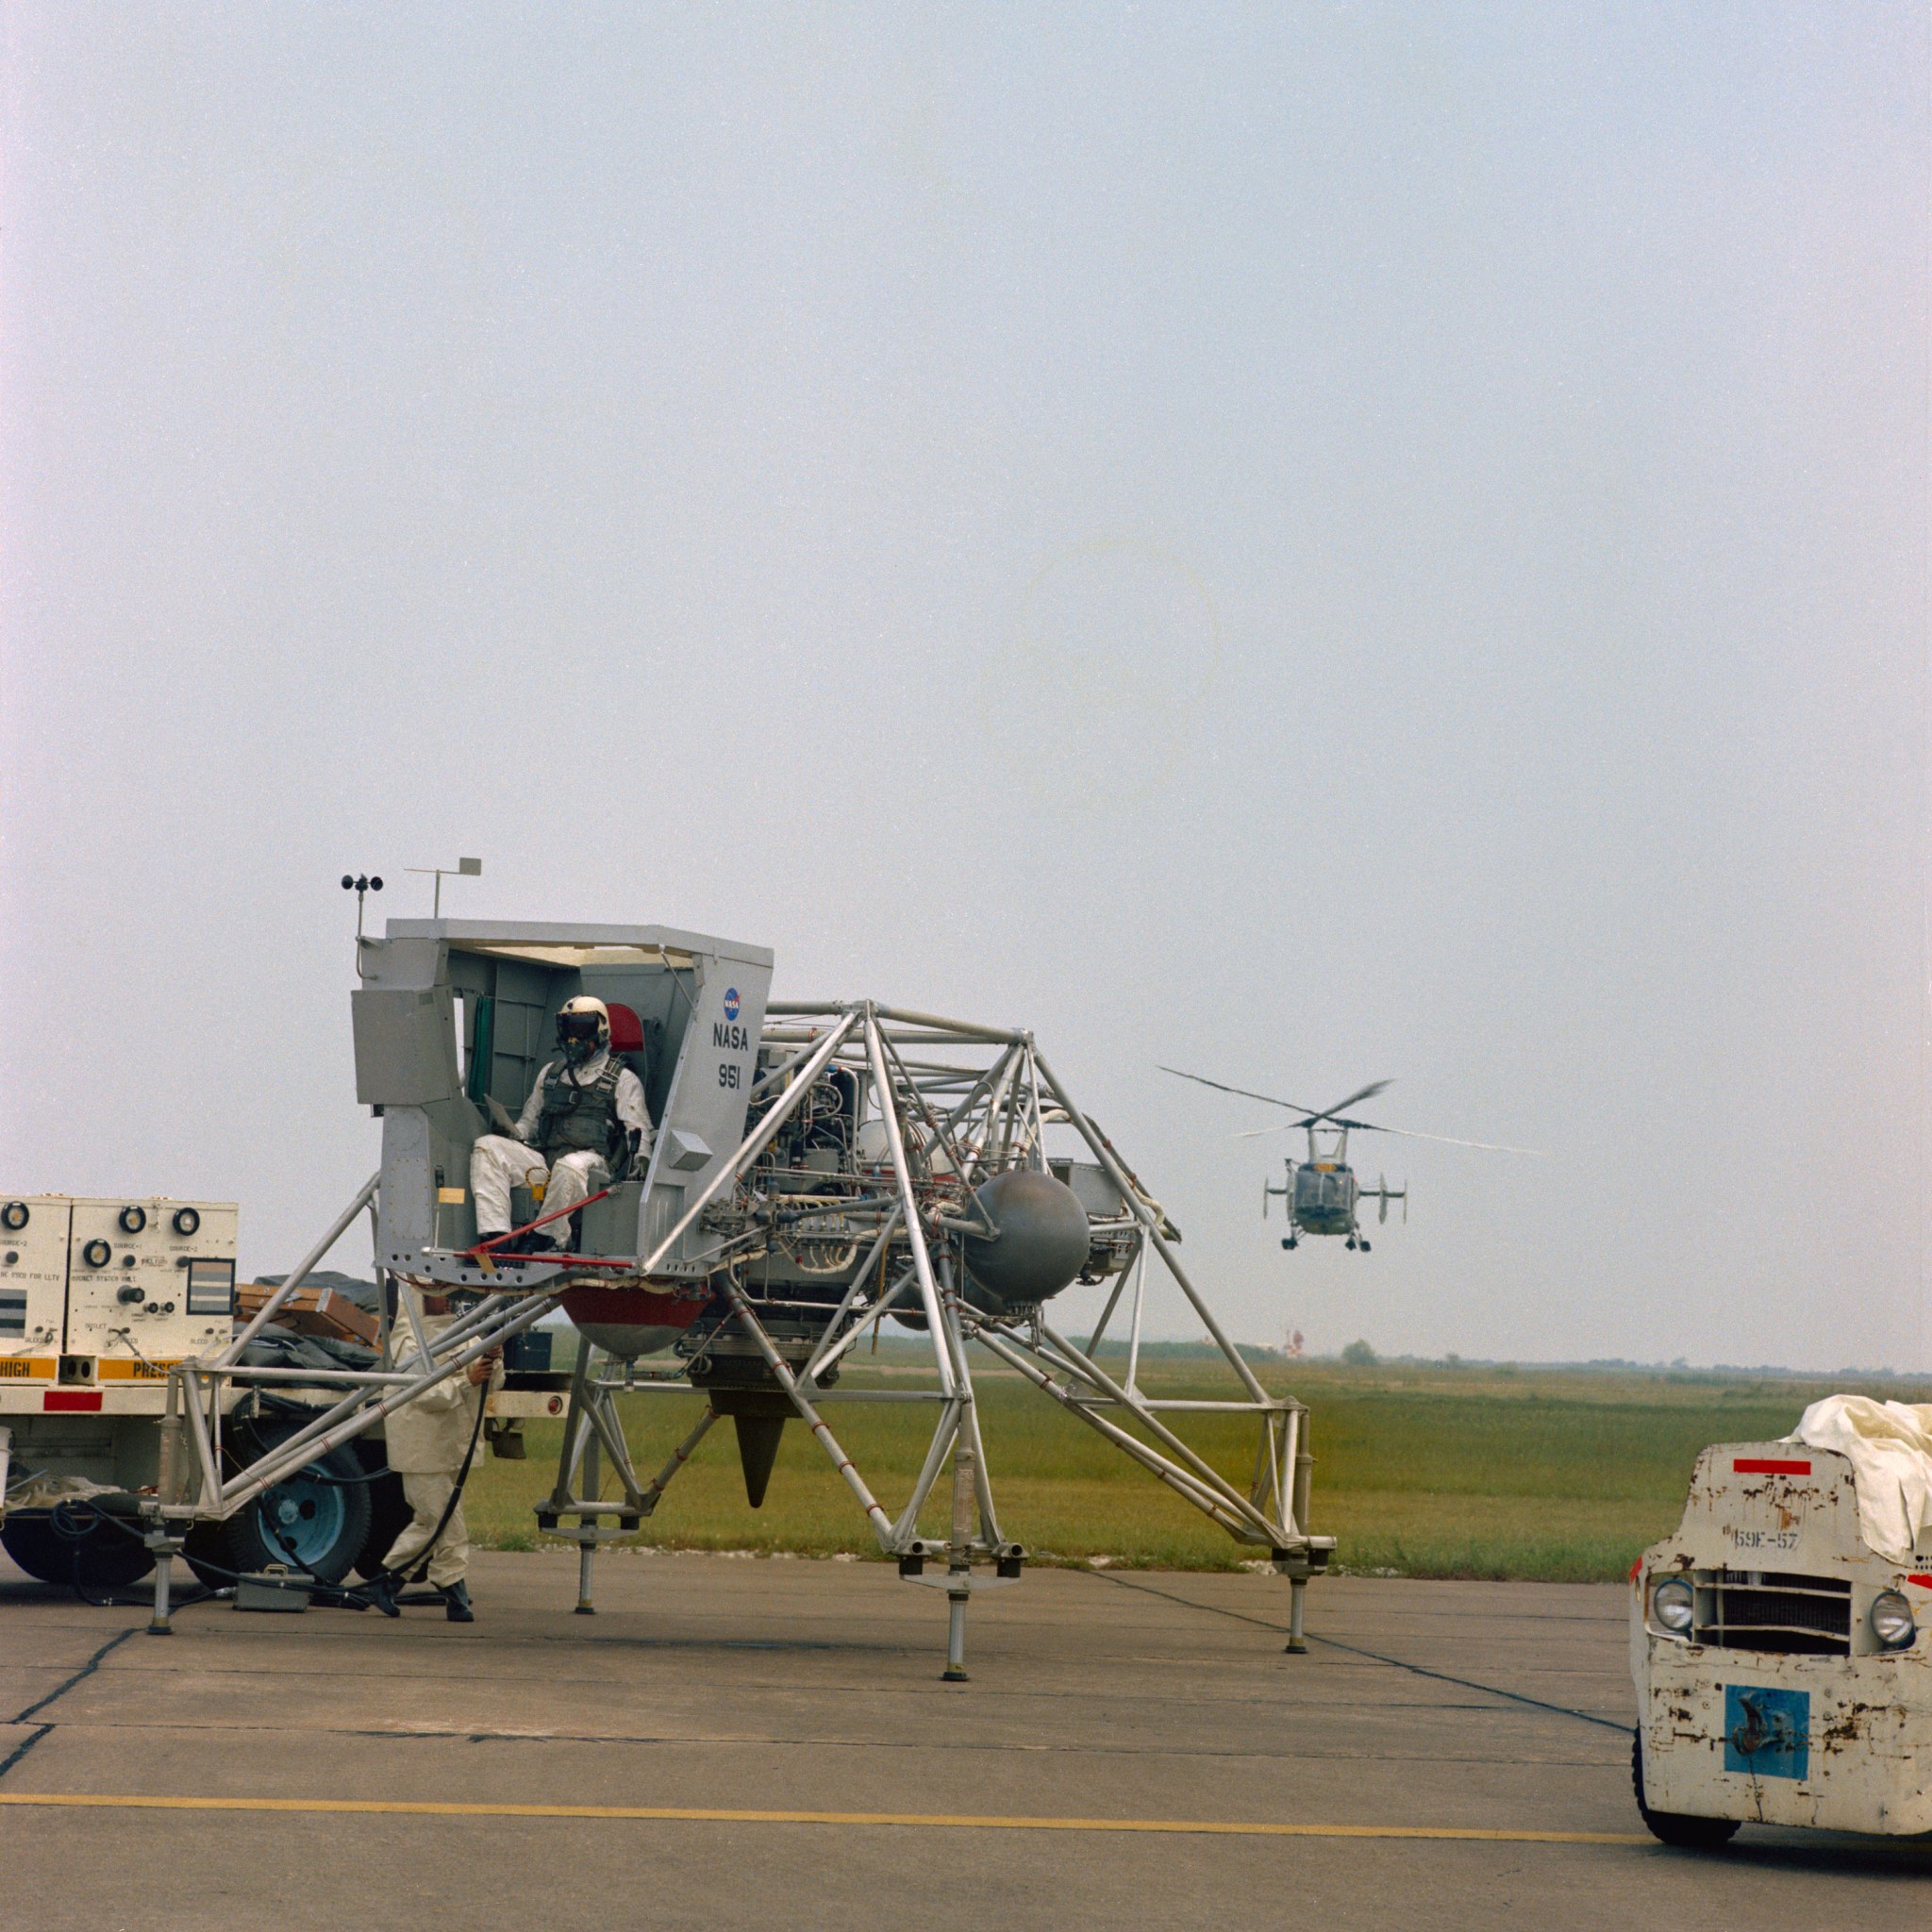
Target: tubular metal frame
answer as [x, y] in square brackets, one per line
[947, 1125]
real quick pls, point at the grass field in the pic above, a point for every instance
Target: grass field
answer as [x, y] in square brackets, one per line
[1554, 1475]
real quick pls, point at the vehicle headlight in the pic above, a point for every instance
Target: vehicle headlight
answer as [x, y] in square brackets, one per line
[1892, 1622]
[1674, 1604]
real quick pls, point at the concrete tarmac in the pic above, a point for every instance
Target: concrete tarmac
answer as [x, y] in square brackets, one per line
[1496, 1712]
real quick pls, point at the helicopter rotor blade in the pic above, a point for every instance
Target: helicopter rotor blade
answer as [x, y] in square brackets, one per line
[1332, 1116]
[1311, 1118]
[1247, 1094]
[1368, 1092]
[1446, 1140]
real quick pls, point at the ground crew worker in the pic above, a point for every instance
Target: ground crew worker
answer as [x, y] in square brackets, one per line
[585, 1112]
[428, 1442]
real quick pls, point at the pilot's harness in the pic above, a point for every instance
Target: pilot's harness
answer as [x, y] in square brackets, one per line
[572, 1109]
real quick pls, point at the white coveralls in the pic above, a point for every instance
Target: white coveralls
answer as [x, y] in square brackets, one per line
[428, 1441]
[498, 1162]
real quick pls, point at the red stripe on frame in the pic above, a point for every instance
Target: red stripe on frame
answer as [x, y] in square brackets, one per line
[81, 1399]
[1923, 1582]
[1769, 1465]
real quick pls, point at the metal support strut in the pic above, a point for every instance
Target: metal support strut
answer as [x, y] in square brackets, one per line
[165, 1549]
[592, 1434]
[960, 1561]
[1297, 1644]
[586, 1550]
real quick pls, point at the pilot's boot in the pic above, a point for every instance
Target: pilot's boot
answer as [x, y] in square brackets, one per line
[537, 1244]
[382, 1594]
[455, 1602]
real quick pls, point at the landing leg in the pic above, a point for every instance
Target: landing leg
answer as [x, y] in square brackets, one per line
[959, 1566]
[164, 1548]
[1297, 1644]
[592, 1434]
[586, 1550]
[954, 1672]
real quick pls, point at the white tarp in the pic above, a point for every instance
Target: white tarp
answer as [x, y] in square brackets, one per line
[1889, 1447]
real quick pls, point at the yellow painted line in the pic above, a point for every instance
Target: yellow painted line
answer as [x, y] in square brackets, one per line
[691, 1814]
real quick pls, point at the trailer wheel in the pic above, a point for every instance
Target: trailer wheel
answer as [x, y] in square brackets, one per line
[389, 1514]
[316, 1520]
[1678, 1828]
[101, 1557]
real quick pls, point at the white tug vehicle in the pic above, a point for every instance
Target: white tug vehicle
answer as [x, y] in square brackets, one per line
[1782, 1676]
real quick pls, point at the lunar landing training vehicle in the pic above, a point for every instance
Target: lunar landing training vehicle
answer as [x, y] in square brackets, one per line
[814, 1169]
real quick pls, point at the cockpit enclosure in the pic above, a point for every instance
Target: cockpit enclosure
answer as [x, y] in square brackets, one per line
[452, 1014]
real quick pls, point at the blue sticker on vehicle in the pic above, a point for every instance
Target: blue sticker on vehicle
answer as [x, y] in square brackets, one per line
[1766, 1732]
[731, 1003]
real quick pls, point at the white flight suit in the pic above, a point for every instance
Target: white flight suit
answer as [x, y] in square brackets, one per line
[498, 1164]
[427, 1439]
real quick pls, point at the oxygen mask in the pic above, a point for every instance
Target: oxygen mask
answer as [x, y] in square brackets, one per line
[577, 1034]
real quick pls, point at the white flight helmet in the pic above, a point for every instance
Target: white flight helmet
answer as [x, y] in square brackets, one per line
[583, 1028]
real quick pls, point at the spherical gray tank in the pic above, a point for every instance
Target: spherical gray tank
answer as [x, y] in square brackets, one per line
[1043, 1239]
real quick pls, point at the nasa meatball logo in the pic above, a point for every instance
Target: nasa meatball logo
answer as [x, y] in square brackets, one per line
[731, 1003]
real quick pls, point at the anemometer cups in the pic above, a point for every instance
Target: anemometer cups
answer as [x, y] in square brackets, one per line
[360, 882]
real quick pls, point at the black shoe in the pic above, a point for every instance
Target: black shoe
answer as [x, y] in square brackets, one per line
[529, 1246]
[456, 1604]
[382, 1594]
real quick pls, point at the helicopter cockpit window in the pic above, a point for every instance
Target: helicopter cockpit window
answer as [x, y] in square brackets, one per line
[1315, 1190]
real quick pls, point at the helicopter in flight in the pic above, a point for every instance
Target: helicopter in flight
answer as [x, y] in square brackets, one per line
[1323, 1194]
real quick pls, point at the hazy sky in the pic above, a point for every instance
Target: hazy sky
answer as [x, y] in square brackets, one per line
[1312, 543]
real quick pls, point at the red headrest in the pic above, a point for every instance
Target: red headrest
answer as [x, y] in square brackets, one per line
[626, 1029]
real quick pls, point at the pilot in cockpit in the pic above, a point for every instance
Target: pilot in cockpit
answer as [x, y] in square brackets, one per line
[583, 1124]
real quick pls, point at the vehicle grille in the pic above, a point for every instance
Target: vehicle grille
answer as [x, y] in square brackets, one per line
[1773, 1611]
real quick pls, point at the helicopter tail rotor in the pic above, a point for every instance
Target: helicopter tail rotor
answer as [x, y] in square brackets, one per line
[1278, 1190]
[1383, 1193]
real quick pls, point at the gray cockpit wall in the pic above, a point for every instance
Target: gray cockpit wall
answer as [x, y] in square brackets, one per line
[453, 1013]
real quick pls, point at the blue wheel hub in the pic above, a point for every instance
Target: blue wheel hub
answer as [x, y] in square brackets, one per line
[302, 1520]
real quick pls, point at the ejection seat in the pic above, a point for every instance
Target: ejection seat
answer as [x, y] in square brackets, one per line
[627, 1036]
